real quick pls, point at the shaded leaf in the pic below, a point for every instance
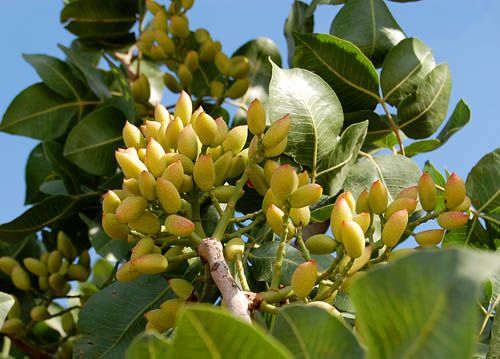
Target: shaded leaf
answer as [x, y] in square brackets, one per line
[64, 169]
[258, 52]
[396, 171]
[315, 113]
[148, 345]
[458, 119]
[342, 65]
[207, 332]
[57, 75]
[299, 21]
[417, 299]
[483, 186]
[330, 338]
[405, 67]
[54, 188]
[37, 171]
[421, 113]
[369, 25]
[104, 246]
[40, 113]
[91, 144]
[314, 4]
[322, 214]
[333, 170]
[471, 234]
[377, 125]
[42, 214]
[102, 23]
[107, 333]
[125, 102]
[92, 75]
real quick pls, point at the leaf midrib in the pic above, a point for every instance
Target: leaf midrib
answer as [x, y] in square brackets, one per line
[82, 149]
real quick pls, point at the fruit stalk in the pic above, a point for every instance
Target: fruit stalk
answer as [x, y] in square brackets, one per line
[280, 255]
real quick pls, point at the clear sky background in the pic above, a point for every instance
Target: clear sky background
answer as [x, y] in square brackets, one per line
[465, 34]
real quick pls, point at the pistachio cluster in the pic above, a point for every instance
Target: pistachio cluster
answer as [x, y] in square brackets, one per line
[46, 278]
[171, 165]
[188, 54]
[352, 221]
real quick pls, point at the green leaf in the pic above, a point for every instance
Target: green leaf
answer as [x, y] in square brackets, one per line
[258, 52]
[314, 4]
[101, 23]
[333, 170]
[104, 246]
[322, 214]
[66, 171]
[421, 113]
[315, 112]
[92, 75]
[471, 234]
[482, 183]
[422, 146]
[343, 66]
[37, 171]
[54, 188]
[417, 299]
[405, 67]
[125, 102]
[377, 125]
[494, 347]
[57, 75]
[207, 332]
[102, 271]
[369, 25]
[29, 246]
[91, 144]
[297, 21]
[263, 260]
[40, 113]
[107, 333]
[148, 345]
[6, 303]
[42, 214]
[396, 171]
[330, 338]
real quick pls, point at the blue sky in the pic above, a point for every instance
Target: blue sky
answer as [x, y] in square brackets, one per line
[462, 33]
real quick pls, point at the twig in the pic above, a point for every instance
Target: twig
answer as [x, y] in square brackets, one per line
[31, 351]
[394, 127]
[280, 254]
[236, 301]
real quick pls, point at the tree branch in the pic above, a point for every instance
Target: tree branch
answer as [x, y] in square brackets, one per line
[31, 351]
[237, 302]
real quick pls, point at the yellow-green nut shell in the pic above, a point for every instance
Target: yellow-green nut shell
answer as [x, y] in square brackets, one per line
[353, 238]
[234, 248]
[179, 26]
[222, 166]
[155, 158]
[206, 128]
[185, 76]
[174, 173]
[54, 261]
[427, 192]
[148, 223]
[204, 173]
[127, 273]
[349, 198]
[238, 88]
[378, 197]
[184, 106]
[147, 185]
[12, 326]
[274, 217]
[363, 202]
[320, 244]
[39, 312]
[130, 209]
[222, 131]
[168, 196]
[256, 117]
[277, 132]
[300, 216]
[401, 203]
[408, 192]
[65, 246]
[208, 50]
[304, 278]
[454, 191]
[77, 272]
[222, 63]
[7, 264]
[192, 61]
[284, 181]
[129, 162]
[172, 132]
[150, 264]
[35, 266]
[269, 167]
[144, 246]
[341, 212]
[224, 193]
[464, 206]
[217, 89]
[429, 238]
[110, 202]
[256, 176]
[277, 150]
[20, 278]
[235, 139]
[306, 195]
[178, 225]
[132, 136]
[364, 220]
[394, 228]
[452, 220]
[181, 288]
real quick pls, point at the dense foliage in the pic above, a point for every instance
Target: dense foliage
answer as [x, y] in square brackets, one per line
[269, 212]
